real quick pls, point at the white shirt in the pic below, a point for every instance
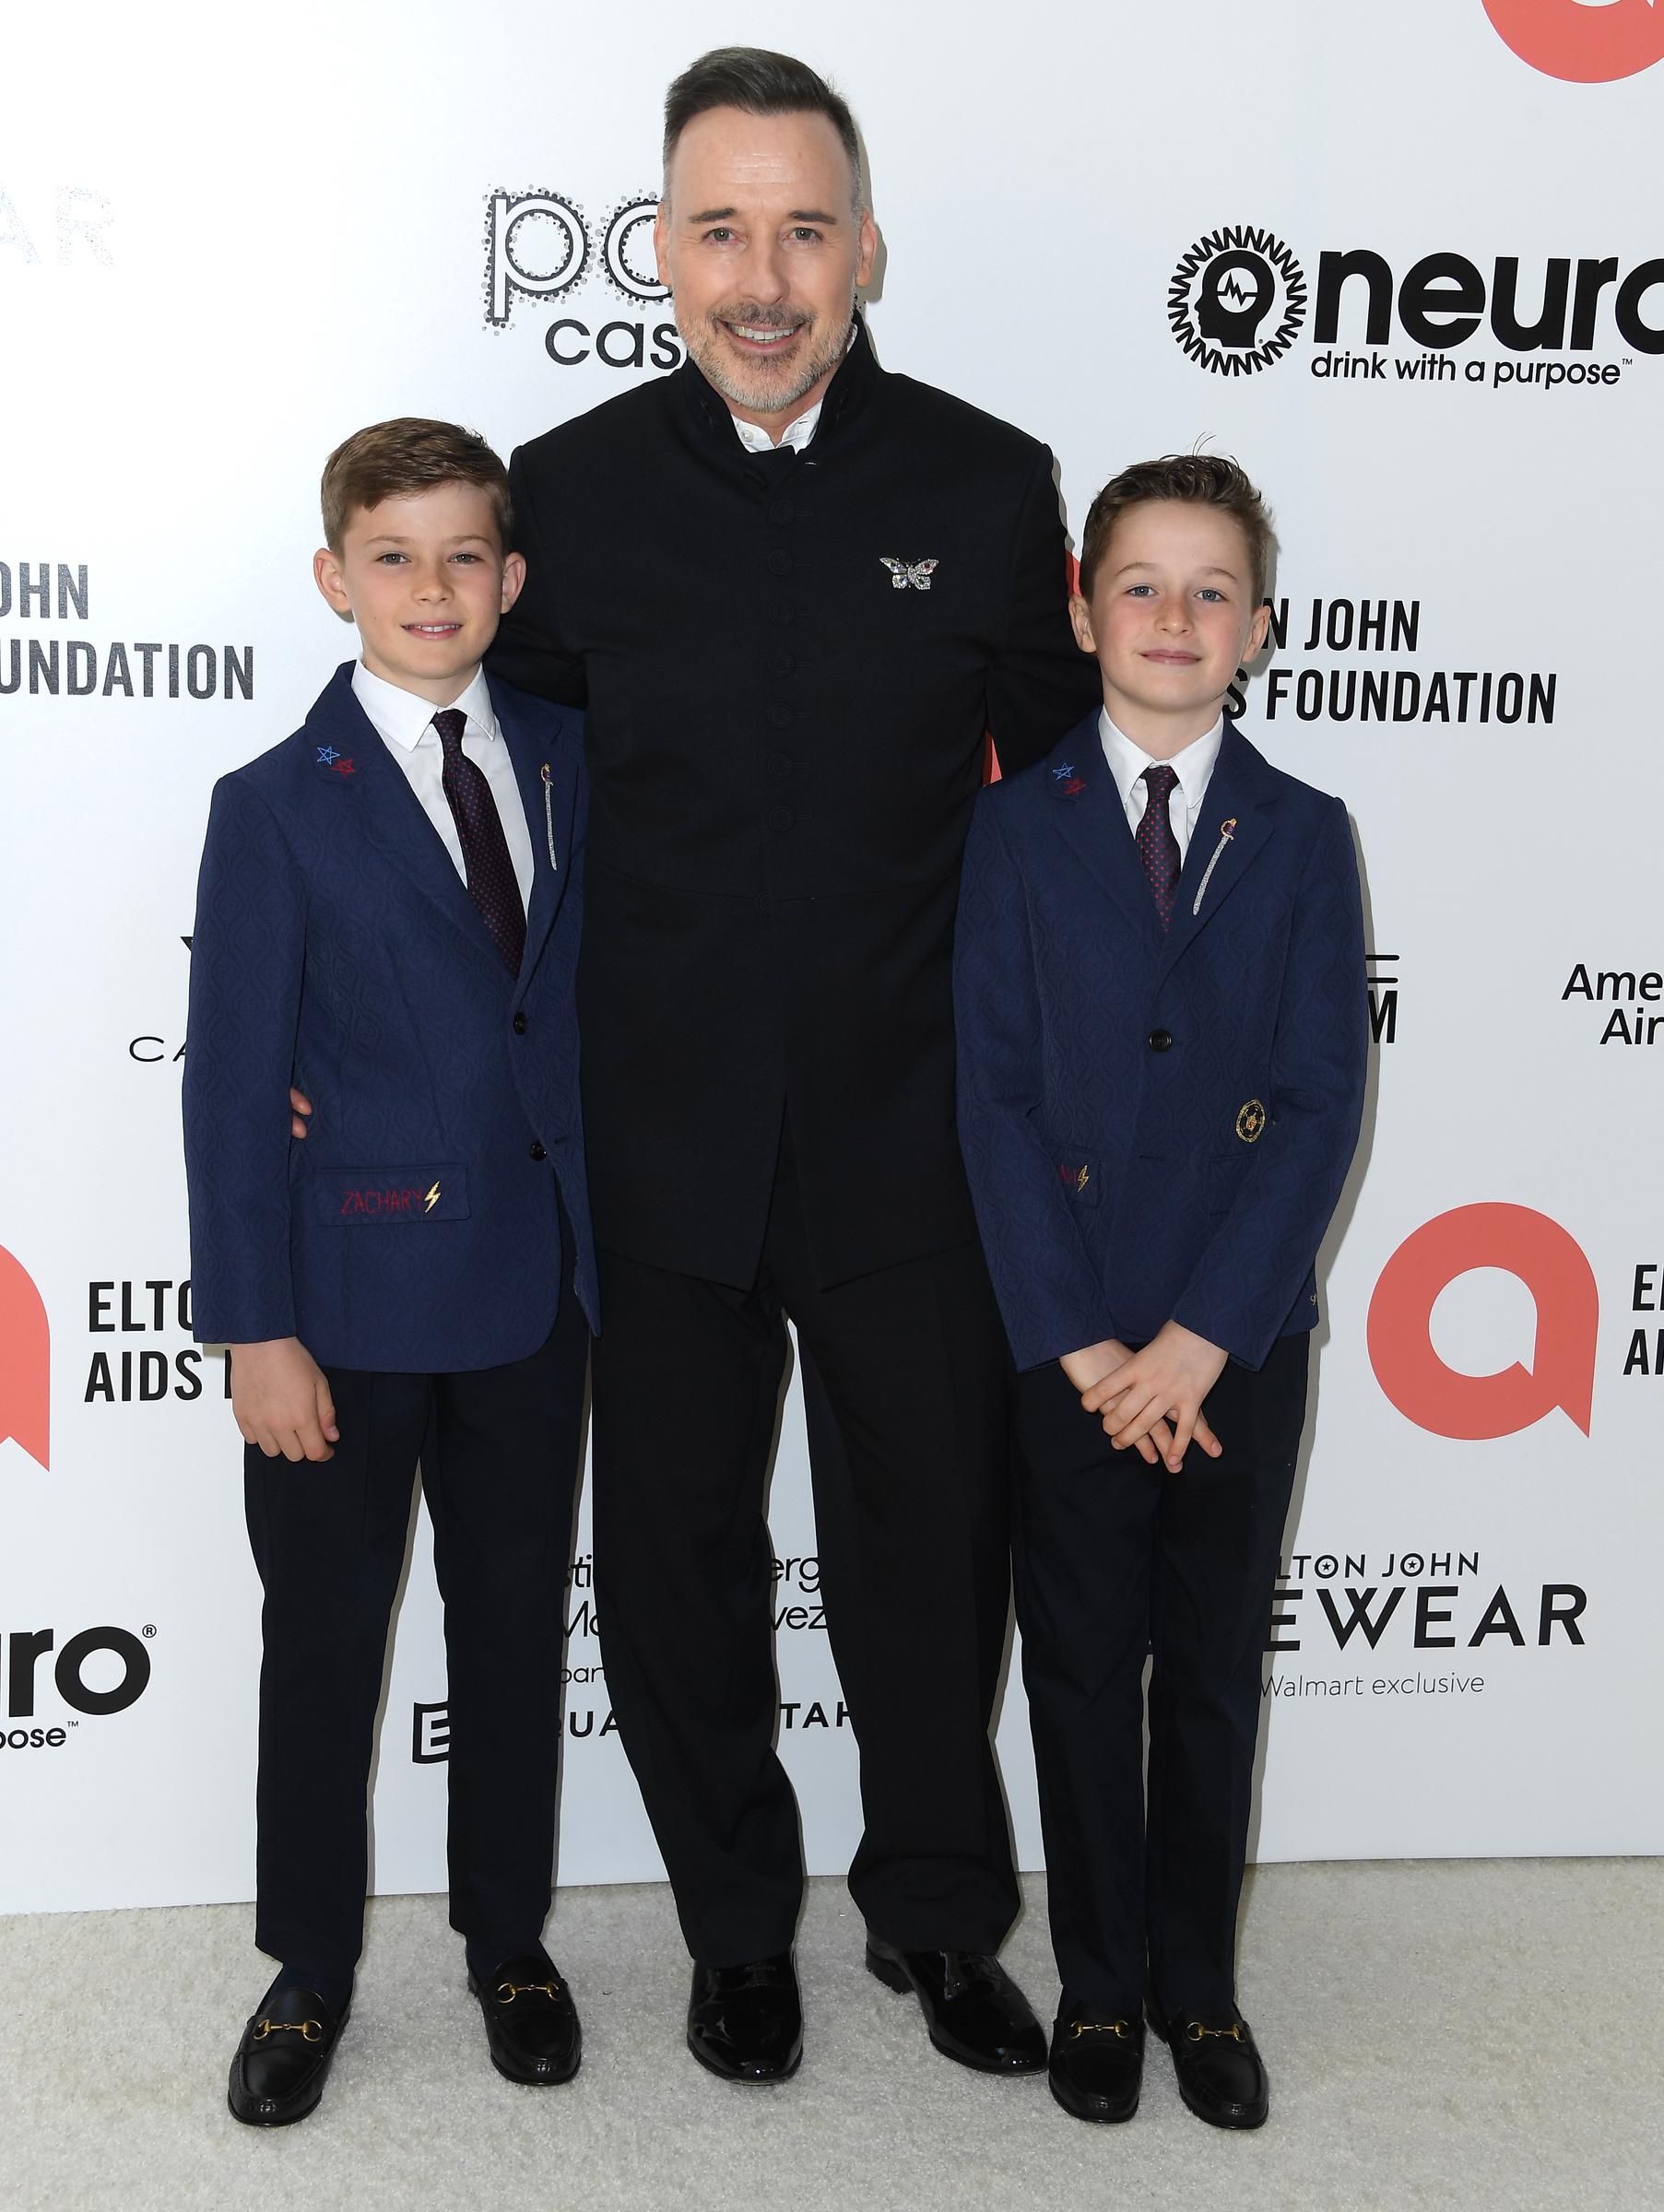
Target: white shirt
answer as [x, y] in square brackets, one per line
[1193, 766]
[798, 434]
[404, 722]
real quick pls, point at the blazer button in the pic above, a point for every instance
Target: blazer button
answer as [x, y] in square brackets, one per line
[782, 614]
[781, 766]
[1160, 1041]
[781, 664]
[781, 718]
[779, 563]
[780, 818]
[520, 1025]
[539, 1151]
[783, 511]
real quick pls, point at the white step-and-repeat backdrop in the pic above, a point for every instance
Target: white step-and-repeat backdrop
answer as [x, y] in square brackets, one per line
[1406, 261]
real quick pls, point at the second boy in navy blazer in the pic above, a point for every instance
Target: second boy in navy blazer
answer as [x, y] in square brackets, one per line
[388, 915]
[1161, 1000]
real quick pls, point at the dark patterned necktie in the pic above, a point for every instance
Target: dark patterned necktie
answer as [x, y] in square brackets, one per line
[1158, 847]
[485, 849]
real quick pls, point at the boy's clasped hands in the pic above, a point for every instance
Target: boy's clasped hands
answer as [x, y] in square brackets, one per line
[1151, 1398]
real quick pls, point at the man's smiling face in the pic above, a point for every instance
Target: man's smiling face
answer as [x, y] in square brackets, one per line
[762, 245]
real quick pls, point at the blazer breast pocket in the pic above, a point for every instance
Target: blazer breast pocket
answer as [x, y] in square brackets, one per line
[390, 1197]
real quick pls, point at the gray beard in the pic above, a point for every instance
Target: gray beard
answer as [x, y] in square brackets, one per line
[765, 394]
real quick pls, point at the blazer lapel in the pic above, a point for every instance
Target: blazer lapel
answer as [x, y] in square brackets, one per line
[350, 756]
[548, 793]
[1231, 829]
[1092, 820]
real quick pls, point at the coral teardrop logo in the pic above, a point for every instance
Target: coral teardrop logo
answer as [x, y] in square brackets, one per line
[1583, 42]
[25, 1361]
[1552, 1267]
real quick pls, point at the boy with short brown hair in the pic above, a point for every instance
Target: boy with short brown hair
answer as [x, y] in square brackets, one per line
[387, 917]
[1161, 1010]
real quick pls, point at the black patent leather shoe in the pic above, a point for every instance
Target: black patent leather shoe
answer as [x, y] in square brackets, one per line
[975, 2012]
[282, 2063]
[1097, 2064]
[744, 2023]
[531, 2023]
[1220, 2074]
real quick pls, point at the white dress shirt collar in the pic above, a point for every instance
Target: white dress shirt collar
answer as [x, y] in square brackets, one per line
[405, 718]
[797, 433]
[1128, 761]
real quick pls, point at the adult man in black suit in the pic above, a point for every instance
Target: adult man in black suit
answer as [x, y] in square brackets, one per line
[792, 591]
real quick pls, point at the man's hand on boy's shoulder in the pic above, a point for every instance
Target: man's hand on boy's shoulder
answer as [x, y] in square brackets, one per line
[1166, 1383]
[281, 1400]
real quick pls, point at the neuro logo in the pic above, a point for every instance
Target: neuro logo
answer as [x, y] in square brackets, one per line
[1237, 300]
[24, 1362]
[1552, 1267]
[1582, 41]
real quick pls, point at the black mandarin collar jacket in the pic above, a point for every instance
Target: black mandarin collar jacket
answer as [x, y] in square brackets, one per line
[788, 666]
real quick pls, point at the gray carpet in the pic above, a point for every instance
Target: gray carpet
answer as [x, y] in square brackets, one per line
[1466, 2034]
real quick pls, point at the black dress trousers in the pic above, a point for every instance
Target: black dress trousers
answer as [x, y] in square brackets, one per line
[912, 1515]
[1116, 1561]
[499, 1450]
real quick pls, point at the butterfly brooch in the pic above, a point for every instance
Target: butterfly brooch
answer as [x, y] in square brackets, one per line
[904, 573]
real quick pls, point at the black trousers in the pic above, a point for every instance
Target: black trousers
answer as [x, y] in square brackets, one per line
[498, 1450]
[911, 1515]
[1114, 1561]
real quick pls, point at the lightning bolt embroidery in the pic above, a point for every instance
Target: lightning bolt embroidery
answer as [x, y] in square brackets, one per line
[432, 1200]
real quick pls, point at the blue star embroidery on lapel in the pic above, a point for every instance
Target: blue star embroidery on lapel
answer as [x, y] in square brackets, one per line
[327, 755]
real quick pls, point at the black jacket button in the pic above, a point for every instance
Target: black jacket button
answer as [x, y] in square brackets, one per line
[1160, 1041]
[780, 818]
[782, 614]
[782, 665]
[520, 1025]
[782, 512]
[539, 1151]
[781, 718]
[781, 766]
[779, 563]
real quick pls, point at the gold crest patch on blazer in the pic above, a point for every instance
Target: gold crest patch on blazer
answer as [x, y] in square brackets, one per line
[1250, 1122]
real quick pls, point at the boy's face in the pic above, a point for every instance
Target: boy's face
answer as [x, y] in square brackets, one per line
[1171, 619]
[426, 579]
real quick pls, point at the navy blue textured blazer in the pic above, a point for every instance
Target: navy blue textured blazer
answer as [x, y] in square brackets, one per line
[1157, 1127]
[337, 947]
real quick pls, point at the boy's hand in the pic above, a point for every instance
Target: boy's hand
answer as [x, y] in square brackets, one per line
[1092, 1365]
[299, 1105]
[281, 1400]
[1167, 1382]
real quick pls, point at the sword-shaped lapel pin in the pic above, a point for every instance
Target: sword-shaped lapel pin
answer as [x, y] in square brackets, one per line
[1227, 830]
[548, 816]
